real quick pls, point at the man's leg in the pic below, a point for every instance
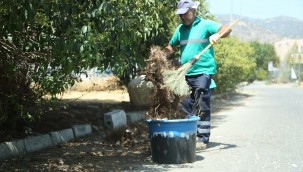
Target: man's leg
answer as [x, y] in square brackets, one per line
[200, 96]
[203, 127]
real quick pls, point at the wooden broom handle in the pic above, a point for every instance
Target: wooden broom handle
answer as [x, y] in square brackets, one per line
[220, 35]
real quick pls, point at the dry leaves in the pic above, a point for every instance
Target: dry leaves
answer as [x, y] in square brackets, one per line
[164, 102]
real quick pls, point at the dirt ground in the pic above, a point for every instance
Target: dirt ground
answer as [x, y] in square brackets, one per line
[104, 150]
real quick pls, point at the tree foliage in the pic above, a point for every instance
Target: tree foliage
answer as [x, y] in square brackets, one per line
[263, 53]
[242, 61]
[234, 63]
[44, 43]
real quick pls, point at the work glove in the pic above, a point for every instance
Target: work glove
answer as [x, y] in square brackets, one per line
[214, 39]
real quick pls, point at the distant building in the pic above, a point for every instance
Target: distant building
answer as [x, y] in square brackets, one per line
[291, 48]
[284, 46]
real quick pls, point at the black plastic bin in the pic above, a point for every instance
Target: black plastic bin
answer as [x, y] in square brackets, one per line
[173, 141]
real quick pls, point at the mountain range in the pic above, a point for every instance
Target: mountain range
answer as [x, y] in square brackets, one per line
[264, 30]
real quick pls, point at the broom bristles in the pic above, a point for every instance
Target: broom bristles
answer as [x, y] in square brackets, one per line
[175, 80]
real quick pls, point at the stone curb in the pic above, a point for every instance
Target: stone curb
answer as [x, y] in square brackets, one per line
[62, 136]
[132, 117]
[36, 143]
[82, 130]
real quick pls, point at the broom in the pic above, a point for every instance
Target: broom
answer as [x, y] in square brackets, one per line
[175, 81]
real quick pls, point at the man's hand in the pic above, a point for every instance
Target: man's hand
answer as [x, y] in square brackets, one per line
[168, 49]
[214, 39]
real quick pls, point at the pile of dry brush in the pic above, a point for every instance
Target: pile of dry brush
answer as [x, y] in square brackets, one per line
[164, 102]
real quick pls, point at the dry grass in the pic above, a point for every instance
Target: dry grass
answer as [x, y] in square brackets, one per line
[99, 84]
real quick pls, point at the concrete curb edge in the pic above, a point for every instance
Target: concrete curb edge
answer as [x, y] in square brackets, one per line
[35, 143]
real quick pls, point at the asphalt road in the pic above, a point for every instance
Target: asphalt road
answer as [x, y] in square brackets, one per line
[263, 132]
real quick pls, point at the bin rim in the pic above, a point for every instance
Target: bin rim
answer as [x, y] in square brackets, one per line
[188, 119]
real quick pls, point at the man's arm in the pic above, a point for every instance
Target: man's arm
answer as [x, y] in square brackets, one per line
[213, 39]
[169, 49]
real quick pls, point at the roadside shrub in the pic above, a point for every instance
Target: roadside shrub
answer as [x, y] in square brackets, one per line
[234, 64]
[261, 74]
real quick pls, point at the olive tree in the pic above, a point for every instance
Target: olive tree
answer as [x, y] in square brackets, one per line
[44, 43]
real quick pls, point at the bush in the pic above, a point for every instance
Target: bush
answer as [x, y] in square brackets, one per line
[261, 74]
[234, 64]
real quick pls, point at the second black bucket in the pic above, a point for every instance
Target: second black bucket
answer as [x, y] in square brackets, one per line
[173, 141]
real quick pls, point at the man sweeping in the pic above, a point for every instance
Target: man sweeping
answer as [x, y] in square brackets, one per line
[193, 35]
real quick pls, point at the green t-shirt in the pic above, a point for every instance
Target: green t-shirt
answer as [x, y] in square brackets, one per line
[192, 41]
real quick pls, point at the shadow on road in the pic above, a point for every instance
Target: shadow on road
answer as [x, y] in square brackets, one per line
[226, 102]
[221, 145]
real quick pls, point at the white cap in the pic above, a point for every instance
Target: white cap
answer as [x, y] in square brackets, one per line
[184, 5]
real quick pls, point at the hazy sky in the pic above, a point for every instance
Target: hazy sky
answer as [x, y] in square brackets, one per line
[261, 9]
